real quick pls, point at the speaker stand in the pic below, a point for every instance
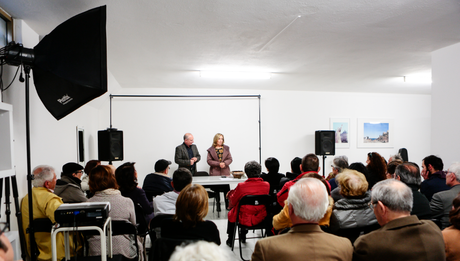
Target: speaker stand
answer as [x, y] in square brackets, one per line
[324, 162]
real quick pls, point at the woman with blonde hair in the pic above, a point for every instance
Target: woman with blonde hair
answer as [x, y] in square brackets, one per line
[188, 222]
[352, 212]
[219, 159]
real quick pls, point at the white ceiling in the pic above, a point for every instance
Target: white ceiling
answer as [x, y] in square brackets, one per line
[339, 45]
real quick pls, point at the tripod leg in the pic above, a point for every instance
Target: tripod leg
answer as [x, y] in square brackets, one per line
[7, 202]
[22, 239]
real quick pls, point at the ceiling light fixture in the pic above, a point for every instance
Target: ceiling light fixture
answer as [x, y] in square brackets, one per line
[235, 75]
[418, 78]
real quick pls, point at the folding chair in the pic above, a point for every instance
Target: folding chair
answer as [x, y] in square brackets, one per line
[255, 200]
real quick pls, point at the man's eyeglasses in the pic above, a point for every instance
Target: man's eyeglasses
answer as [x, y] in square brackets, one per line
[371, 205]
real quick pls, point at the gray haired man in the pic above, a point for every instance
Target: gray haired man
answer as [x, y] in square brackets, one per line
[402, 236]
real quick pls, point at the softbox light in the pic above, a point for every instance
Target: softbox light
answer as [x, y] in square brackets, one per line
[69, 65]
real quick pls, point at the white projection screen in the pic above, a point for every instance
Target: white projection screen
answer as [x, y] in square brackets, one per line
[154, 125]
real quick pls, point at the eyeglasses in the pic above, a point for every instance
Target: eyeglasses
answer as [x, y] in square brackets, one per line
[78, 172]
[371, 205]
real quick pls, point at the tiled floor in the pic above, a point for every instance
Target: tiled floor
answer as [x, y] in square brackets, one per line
[221, 222]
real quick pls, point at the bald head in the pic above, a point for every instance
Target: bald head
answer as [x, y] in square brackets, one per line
[188, 139]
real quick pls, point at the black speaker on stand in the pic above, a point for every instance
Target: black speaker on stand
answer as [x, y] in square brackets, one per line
[110, 145]
[324, 144]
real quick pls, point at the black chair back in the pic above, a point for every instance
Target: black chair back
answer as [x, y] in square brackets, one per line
[150, 194]
[201, 174]
[163, 248]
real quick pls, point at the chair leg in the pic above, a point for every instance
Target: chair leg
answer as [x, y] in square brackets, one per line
[239, 242]
[234, 236]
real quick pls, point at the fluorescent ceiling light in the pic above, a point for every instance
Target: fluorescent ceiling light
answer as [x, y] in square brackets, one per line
[418, 78]
[235, 75]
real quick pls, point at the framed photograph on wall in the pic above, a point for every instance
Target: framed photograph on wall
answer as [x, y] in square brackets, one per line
[341, 126]
[375, 133]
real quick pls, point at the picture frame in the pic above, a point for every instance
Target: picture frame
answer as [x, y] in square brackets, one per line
[342, 128]
[375, 133]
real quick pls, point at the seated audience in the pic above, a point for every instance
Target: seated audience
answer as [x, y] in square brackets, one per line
[308, 202]
[44, 203]
[159, 181]
[451, 234]
[188, 222]
[200, 251]
[339, 164]
[249, 215]
[103, 185]
[352, 212]
[69, 186]
[90, 165]
[310, 164]
[376, 167]
[166, 203]
[409, 174]
[282, 220]
[435, 178]
[441, 203]
[295, 171]
[126, 176]
[272, 177]
[402, 236]
[358, 166]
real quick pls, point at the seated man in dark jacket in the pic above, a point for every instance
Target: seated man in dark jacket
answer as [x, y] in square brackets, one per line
[69, 186]
[159, 181]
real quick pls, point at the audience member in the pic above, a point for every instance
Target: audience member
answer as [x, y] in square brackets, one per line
[126, 176]
[68, 187]
[187, 154]
[435, 178]
[402, 236]
[377, 168]
[272, 177]
[188, 222]
[441, 203]
[352, 212]
[310, 164]
[396, 158]
[90, 165]
[159, 181]
[409, 174]
[308, 202]
[282, 220]
[103, 185]
[339, 164]
[295, 171]
[200, 251]
[358, 166]
[166, 203]
[451, 234]
[249, 215]
[391, 168]
[44, 203]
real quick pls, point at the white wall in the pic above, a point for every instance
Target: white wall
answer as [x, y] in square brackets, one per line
[289, 121]
[445, 126]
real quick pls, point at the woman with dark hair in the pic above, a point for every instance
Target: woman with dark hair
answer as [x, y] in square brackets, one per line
[272, 177]
[451, 234]
[376, 167]
[188, 222]
[103, 185]
[90, 165]
[126, 176]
